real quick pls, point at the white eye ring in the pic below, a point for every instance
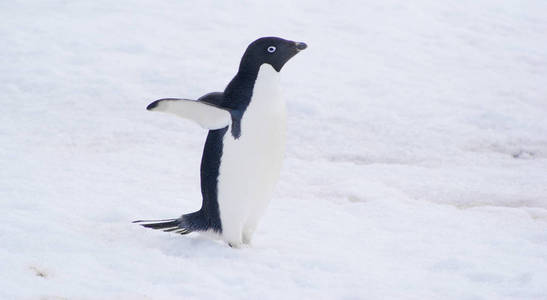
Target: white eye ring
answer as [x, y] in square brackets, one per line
[271, 49]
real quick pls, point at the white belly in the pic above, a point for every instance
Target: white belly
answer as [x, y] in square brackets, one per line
[250, 165]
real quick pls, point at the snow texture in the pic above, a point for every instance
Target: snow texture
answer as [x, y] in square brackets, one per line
[416, 163]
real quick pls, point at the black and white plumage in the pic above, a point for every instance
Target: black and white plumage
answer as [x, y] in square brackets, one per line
[244, 149]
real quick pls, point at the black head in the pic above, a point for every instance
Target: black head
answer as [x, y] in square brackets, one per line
[269, 50]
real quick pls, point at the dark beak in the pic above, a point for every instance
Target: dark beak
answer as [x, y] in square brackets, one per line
[301, 46]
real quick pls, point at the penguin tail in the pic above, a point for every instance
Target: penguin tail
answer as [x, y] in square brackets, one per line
[167, 225]
[187, 223]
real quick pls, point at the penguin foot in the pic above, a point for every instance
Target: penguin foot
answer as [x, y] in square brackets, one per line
[246, 239]
[234, 245]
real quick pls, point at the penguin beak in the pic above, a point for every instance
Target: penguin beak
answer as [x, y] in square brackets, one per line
[300, 46]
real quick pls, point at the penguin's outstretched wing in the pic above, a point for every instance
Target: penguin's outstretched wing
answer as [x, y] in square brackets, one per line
[206, 114]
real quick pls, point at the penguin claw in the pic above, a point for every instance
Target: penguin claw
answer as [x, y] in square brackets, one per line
[235, 245]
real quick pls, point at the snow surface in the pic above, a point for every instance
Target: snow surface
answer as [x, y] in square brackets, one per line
[416, 165]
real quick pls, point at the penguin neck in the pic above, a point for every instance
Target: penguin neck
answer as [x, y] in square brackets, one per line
[249, 65]
[267, 75]
[239, 92]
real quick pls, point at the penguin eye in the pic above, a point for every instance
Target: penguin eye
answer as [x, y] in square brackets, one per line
[271, 49]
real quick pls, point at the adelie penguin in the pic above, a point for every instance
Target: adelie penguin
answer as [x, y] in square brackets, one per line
[244, 149]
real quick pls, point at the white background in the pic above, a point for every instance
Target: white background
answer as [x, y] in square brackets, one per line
[416, 163]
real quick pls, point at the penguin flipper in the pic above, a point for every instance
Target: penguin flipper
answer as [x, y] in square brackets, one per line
[207, 115]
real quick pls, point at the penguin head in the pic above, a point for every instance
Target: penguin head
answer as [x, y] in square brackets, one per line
[269, 50]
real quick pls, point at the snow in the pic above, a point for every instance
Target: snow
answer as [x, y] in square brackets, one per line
[416, 163]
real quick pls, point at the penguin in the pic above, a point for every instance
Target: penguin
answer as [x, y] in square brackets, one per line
[245, 146]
